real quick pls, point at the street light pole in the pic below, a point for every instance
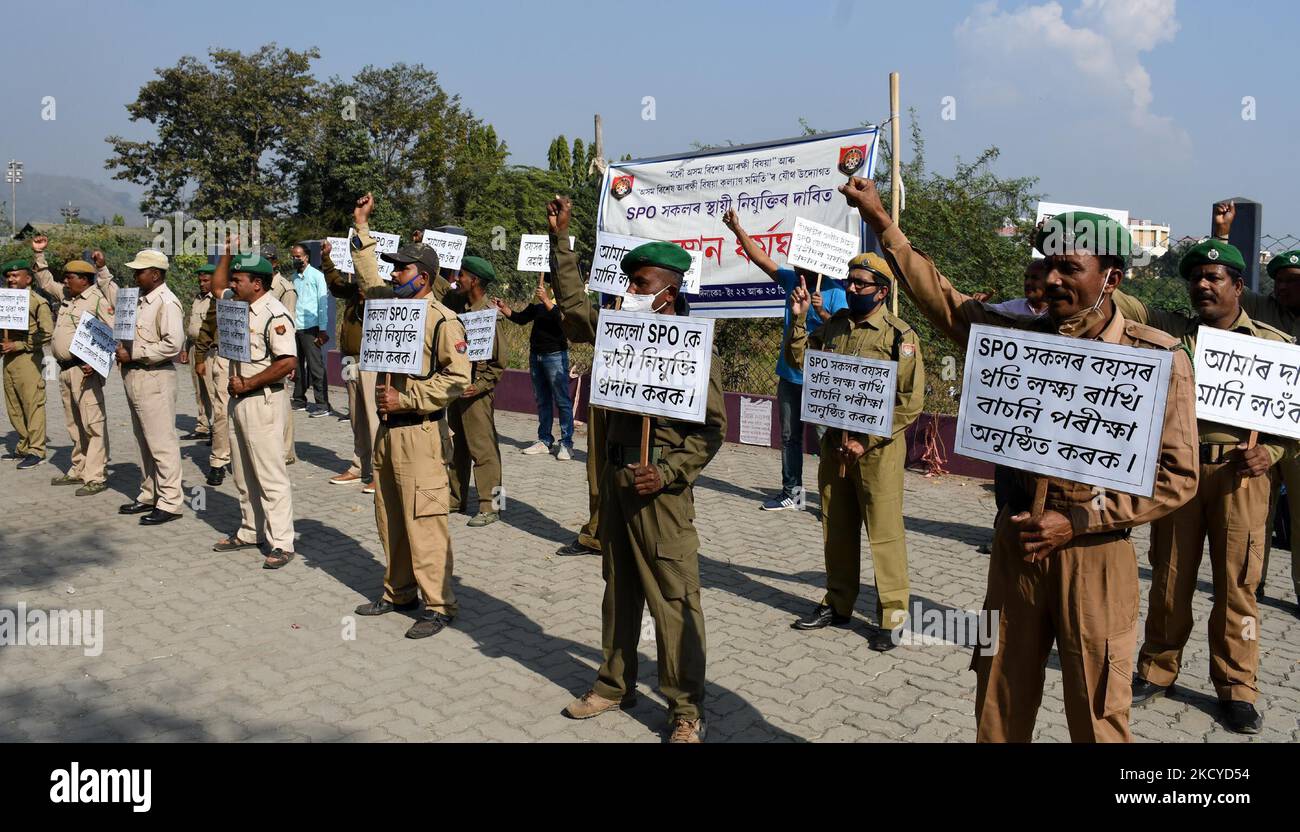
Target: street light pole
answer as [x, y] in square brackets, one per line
[14, 175]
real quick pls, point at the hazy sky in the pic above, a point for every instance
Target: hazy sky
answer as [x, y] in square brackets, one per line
[1133, 105]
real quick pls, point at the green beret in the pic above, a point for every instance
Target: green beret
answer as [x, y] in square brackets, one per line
[1285, 260]
[206, 268]
[478, 267]
[15, 266]
[664, 255]
[252, 264]
[1083, 231]
[1214, 252]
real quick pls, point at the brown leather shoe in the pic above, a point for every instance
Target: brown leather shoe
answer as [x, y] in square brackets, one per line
[687, 730]
[593, 704]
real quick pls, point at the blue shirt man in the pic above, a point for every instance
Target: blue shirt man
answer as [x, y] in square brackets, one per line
[312, 319]
[313, 299]
[833, 300]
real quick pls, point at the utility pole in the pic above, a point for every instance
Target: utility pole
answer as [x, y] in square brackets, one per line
[14, 175]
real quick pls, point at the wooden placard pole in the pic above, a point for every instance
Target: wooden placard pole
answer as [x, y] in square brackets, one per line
[388, 379]
[1040, 496]
[844, 440]
[895, 182]
[818, 287]
[645, 441]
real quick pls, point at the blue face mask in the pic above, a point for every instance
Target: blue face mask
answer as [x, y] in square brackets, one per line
[862, 304]
[407, 289]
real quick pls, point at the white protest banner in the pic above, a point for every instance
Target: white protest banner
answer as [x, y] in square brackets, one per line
[450, 247]
[1248, 382]
[755, 421]
[93, 343]
[15, 311]
[849, 392]
[128, 305]
[821, 249]
[607, 274]
[683, 198]
[341, 253]
[392, 336]
[385, 244]
[232, 330]
[480, 333]
[1079, 410]
[535, 252]
[655, 365]
[1047, 210]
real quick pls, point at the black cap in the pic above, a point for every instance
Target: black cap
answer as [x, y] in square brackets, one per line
[270, 252]
[414, 253]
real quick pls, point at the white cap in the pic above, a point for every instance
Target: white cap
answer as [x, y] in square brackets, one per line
[149, 259]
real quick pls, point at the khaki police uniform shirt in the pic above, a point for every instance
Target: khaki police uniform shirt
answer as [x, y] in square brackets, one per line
[443, 380]
[688, 446]
[40, 326]
[159, 327]
[883, 336]
[198, 314]
[1090, 512]
[346, 290]
[487, 373]
[1184, 328]
[285, 293]
[44, 280]
[70, 311]
[270, 336]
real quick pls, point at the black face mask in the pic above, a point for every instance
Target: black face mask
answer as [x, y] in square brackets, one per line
[862, 304]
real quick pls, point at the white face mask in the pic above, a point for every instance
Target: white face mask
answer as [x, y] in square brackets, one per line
[640, 303]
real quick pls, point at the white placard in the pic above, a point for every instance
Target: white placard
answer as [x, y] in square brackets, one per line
[756, 421]
[128, 306]
[821, 249]
[1047, 210]
[1248, 382]
[15, 309]
[93, 343]
[385, 244]
[651, 364]
[1080, 410]
[450, 247]
[849, 392]
[341, 254]
[232, 330]
[535, 252]
[480, 332]
[606, 269]
[392, 336]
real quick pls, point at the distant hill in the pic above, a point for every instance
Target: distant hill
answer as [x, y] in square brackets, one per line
[41, 195]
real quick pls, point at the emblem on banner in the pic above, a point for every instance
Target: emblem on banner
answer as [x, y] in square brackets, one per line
[621, 186]
[851, 158]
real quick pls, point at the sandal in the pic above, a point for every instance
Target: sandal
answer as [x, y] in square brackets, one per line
[232, 544]
[277, 559]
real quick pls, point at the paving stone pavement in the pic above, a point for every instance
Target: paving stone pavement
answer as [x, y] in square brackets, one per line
[207, 646]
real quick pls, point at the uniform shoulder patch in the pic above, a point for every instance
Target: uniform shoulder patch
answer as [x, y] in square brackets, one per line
[461, 347]
[907, 350]
[279, 329]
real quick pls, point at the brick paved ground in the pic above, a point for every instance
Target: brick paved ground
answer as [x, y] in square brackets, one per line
[206, 646]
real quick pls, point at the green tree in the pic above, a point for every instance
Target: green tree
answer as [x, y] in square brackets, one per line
[119, 220]
[230, 133]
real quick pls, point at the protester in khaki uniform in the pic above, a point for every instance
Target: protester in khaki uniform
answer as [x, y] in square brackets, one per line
[872, 488]
[1068, 575]
[215, 371]
[190, 355]
[412, 497]
[1281, 310]
[1230, 507]
[256, 416]
[81, 388]
[283, 291]
[149, 377]
[24, 360]
[363, 412]
[472, 417]
[647, 530]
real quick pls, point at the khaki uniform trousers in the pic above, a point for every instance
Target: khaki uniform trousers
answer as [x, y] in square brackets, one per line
[1287, 471]
[411, 515]
[870, 491]
[83, 413]
[202, 397]
[1232, 511]
[218, 370]
[265, 496]
[587, 535]
[286, 434]
[363, 413]
[151, 393]
[1082, 597]
[25, 401]
[474, 447]
[650, 556]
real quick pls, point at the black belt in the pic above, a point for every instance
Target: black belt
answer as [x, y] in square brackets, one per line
[621, 455]
[406, 420]
[70, 363]
[1214, 453]
[140, 365]
[274, 388]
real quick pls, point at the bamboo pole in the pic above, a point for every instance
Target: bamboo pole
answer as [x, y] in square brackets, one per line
[895, 182]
